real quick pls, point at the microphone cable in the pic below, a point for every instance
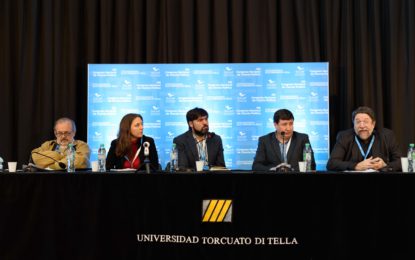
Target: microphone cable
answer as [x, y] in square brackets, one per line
[61, 164]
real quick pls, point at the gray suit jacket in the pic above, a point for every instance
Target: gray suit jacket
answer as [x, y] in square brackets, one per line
[188, 155]
[268, 153]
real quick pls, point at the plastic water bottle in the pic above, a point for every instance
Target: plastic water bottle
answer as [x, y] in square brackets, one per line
[174, 159]
[307, 156]
[411, 157]
[70, 157]
[102, 155]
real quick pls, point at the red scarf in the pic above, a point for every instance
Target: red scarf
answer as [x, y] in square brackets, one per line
[136, 163]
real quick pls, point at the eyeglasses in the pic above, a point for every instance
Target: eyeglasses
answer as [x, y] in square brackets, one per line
[364, 122]
[60, 134]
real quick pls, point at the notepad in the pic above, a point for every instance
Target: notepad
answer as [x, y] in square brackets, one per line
[218, 168]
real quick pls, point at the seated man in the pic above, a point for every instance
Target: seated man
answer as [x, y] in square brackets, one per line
[364, 147]
[270, 147]
[52, 154]
[198, 144]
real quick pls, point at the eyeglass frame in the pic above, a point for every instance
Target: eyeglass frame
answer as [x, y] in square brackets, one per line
[61, 134]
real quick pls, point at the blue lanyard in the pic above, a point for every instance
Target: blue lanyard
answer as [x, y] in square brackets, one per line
[283, 151]
[368, 149]
[201, 149]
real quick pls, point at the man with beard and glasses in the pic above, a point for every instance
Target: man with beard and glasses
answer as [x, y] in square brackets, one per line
[365, 147]
[198, 144]
[52, 154]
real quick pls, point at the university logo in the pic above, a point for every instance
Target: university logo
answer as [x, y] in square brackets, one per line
[217, 211]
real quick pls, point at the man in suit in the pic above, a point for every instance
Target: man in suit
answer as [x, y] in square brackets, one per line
[363, 147]
[284, 140]
[198, 144]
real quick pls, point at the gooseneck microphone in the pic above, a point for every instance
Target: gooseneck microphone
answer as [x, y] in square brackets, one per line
[146, 154]
[284, 166]
[283, 147]
[61, 164]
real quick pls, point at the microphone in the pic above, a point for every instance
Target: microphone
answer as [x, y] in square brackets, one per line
[61, 164]
[284, 166]
[146, 146]
[146, 154]
[283, 147]
[207, 136]
[211, 134]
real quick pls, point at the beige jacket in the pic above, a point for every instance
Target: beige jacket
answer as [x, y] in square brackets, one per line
[82, 155]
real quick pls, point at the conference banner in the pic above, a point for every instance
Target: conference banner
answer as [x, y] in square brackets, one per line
[241, 99]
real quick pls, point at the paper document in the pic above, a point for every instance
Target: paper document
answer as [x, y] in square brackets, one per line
[218, 168]
[368, 170]
[123, 170]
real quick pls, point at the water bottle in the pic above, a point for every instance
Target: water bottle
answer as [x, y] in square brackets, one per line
[411, 157]
[307, 156]
[1, 164]
[70, 157]
[102, 154]
[174, 159]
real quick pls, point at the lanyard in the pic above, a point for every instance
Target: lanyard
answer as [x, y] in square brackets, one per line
[286, 147]
[62, 151]
[368, 149]
[135, 157]
[202, 150]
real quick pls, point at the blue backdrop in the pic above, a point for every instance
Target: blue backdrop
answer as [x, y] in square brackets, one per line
[241, 99]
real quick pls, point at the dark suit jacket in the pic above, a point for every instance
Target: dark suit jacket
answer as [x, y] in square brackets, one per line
[188, 155]
[268, 153]
[117, 162]
[346, 154]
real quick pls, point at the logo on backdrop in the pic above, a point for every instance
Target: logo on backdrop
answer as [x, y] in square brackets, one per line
[215, 210]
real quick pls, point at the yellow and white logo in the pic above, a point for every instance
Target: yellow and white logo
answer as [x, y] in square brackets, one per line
[217, 211]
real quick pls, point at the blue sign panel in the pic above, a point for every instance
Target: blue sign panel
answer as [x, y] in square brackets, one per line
[241, 99]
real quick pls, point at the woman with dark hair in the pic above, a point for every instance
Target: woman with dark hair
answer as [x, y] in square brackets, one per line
[128, 150]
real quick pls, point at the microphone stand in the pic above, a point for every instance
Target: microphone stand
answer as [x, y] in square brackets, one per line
[147, 163]
[33, 167]
[283, 147]
[284, 166]
[146, 154]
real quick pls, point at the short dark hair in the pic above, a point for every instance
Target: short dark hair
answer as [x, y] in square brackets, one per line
[283, 114]
[195, 113]
[364, 110]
